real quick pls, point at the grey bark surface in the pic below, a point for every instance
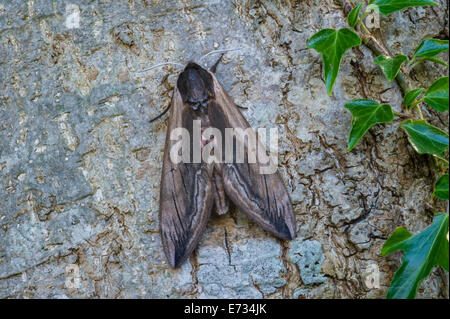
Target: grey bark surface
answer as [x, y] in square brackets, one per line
[80, 163]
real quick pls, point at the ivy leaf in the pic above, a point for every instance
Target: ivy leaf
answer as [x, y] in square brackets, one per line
[425, 138]
[420, 254]
[411, 96]
[390, 66]
[365, 114]
[441, 187]
[353, 15]
[436, 60]
[437, 95]
[333, 44]
[429, 48]
[387, 7]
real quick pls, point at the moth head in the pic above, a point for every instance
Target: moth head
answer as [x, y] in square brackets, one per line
[196, 86]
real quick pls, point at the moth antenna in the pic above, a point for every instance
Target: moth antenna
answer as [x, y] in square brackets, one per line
[161, 114]
[154, 67]
[218, 51]
[159, 65]
[214, 67]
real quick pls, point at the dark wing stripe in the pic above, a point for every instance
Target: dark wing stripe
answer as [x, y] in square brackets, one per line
[267, 195]
[243, 184]
[178, 213]
[182, 179]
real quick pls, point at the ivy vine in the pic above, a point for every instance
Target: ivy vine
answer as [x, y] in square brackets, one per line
[429, 248]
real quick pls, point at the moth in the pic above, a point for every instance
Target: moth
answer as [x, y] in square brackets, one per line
[190, 190]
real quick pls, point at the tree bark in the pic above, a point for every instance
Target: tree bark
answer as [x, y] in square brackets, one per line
[80, 164]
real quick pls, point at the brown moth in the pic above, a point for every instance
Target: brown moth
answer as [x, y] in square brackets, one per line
[190, 190]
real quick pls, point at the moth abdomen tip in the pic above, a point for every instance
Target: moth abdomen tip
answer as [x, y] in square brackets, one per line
[287, 236]
[176, 262]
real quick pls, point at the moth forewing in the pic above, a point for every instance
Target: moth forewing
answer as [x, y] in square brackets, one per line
[186, 196]
[256, 189]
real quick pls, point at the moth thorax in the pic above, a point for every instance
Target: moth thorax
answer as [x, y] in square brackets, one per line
[201, 106]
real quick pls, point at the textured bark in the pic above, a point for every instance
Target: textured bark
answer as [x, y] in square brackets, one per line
[80, 164]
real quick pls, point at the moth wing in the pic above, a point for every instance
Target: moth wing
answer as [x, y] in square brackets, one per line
[186, 197]
[262, 197]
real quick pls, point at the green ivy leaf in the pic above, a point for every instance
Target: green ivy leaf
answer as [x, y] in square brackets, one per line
[353, 15]
[429, 48]
[390, 66]
[387, 7]
[425, 138]
[441, 187]
[365, 114]
[333, 44]
[436, 60]
[437, 95]
[420, 254]
[411, 96]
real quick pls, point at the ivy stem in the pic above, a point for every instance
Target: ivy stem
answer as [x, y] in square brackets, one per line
[420, 111]
[375, 40]
[416, 102]
[377, 48]
[416, 105]
[442, 159]
[416, 63]
[364, 15]
[402, 115]
[411, 61]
